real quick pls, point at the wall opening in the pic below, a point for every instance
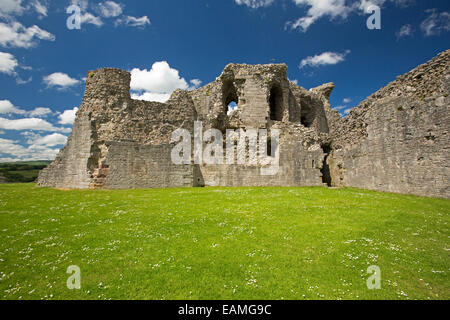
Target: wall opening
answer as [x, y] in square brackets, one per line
[276, 103]
[232, 107]
[307, 114]
[230, 97]
[326, 173]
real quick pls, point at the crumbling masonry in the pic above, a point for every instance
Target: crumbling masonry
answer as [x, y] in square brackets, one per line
[397, 140]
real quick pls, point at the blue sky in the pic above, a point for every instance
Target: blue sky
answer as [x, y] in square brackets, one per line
[169, 44]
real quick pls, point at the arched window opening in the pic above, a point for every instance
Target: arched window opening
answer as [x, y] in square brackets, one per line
[232, 107]
[276, 103]
[230, 97]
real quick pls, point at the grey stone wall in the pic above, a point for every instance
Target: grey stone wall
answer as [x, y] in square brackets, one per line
[131, 165]
[298, 167]
[398, 139]
[71, 167]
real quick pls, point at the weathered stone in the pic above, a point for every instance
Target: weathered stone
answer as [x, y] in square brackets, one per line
[396, 140]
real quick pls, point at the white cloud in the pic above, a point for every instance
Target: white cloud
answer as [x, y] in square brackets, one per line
[51, 140]
[435, 23]
[254, 4]
[68, 116]
[8, 63]
[29, 124]
[195, 83]
[91, 19]
[59, 79]
[18, 152]
[366, 4]
[347, 100]
[14, 34]
[40, 8]
[149, 96]
[130, 21]
[326, 58]
[318, 9]
[334, 9]
[110, 9]
[39, 112]
[405, 31]
[87, 17]
[157, 83]
[7, 107]
[11, 7]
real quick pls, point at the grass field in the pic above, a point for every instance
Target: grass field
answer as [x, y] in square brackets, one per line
[222, 243]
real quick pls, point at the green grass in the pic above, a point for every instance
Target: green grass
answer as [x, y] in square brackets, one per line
[222, 243]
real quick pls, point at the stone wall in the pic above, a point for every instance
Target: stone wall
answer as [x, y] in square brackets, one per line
[131, 165]
[108, 114]
[398, 139]
[298, 167]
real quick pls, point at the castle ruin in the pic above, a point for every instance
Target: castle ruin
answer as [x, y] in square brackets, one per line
[397, 140]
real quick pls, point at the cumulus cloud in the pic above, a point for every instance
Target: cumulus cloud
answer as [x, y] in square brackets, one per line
[130, 21]
[110, 9]
[6, 107]
[39, 112]
[435, 23]
[8, 63]
[195, 83]
[11, 7]
[326, 58]
[14, 34]
[18, 152]
[151, 96]
[68, 116]
[51, 140]
[29, 124]
[60, 80]
[347, 100]
[157, 83]
[254, 4]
